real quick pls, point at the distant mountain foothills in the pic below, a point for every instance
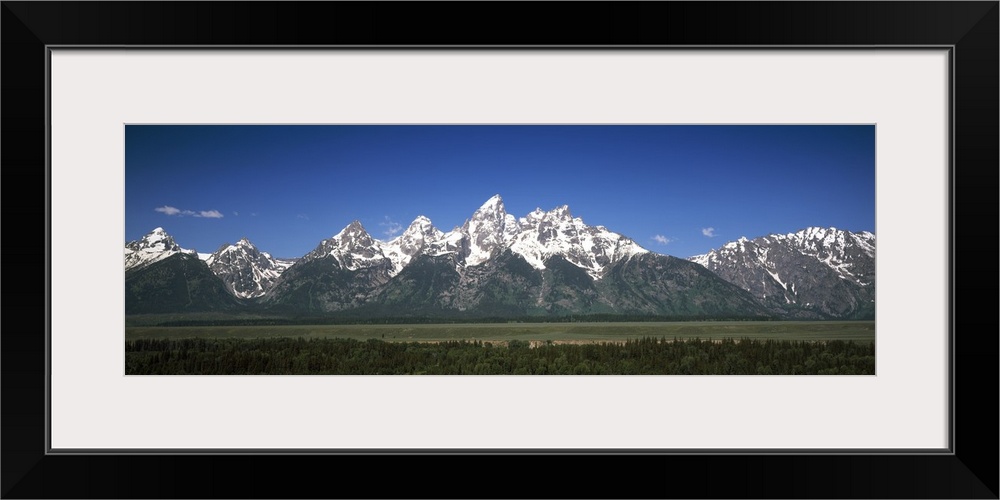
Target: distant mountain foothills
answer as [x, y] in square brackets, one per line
[545, 264]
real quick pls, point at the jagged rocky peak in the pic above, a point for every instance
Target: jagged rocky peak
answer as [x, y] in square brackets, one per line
[421, 224]
[482, 237]
[818, 271]
[242, 246]
[825, 243]
[488, 230]
[353, 231]
[822, 238]
[532, 218]
[155, 240]
[559, 222]
[493, 213]
[228, 251]
[245, 270]
[494, 205]
[557, 233]
[355, 238]
[420, 231]
[352, 248]
[153, 246]
[421, 237]
[560, 212]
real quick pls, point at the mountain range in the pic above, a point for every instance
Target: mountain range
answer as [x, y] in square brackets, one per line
[814, 273]
[547, 263]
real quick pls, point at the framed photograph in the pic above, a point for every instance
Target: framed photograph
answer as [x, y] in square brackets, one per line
[636, 278]
[170, 131]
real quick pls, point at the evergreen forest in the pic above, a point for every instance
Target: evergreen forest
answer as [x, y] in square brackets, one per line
[645, 356]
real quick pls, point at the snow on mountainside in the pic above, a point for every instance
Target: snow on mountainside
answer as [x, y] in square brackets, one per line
[541, 235]
[849, 254]
[421, 238]
[353, 248]
[495, 264]
[557, 233]
[839, 250]
[153, 247]
[826, 271]
[246, 271]
[491, 230]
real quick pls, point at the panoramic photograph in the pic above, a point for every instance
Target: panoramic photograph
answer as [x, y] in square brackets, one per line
[499, 250]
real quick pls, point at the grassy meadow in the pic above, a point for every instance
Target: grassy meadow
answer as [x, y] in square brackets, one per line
[857, 331]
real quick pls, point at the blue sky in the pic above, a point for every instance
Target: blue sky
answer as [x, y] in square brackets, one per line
[677, 190]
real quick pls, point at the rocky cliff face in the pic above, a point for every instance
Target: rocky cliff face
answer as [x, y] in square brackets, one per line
[246, 271]
[813, 273]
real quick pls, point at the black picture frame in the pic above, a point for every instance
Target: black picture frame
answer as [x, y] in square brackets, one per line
[969, 28]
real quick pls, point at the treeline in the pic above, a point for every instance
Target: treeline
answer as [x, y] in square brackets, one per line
[444, 320]
[648, 356]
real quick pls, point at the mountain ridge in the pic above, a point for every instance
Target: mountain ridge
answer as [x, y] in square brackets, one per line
[544, 263]
[489, 231]
[246, 271]
[813, 273]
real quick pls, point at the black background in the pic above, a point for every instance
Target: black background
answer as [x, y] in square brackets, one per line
[971, 472]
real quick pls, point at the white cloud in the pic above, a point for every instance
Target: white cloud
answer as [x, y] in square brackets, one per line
[299, 216]
[708, 231]
[663, 240]
[392, 228]
[208, 214]
[167, 209]
[236, 213]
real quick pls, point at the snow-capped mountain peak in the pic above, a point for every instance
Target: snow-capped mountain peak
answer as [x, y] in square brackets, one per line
[539, 236]
[421, 223]
[421, 237]
[152, 247]
[488, 230]
[157, 234]
[556, 232]
[831, 239]
[532, 217]
[830, 245]
[353, 248]
[560, 212]
[493, 205]
[353, 232]
[245, 270]
[815, 265]
[158, 240]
